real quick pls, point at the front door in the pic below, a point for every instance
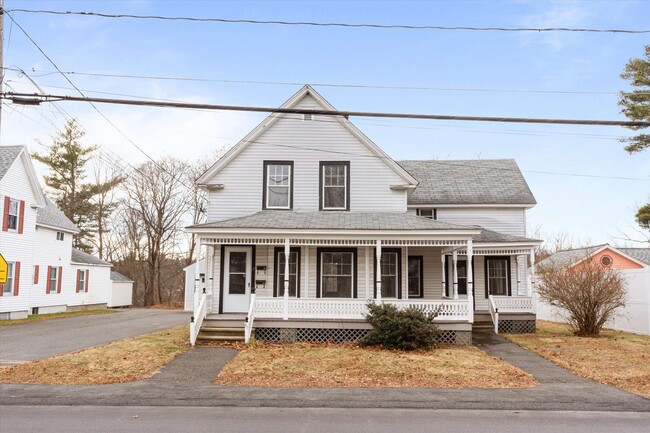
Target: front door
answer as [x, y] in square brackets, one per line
[237, 279]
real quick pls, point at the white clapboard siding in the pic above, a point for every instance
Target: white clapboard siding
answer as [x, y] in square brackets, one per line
[48, 251]
[17, 247]
[99, 287]
[511, 221]
[305, 143]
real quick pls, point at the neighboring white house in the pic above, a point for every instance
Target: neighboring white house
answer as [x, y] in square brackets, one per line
[46, 275]
[633, 264]
[193, 282]
[308, 219]
[121, 294]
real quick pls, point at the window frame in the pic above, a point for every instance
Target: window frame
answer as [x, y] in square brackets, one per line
[54, 270]
[16, 215]
[319, 271]
[11, 277]
[321, 185]
[419, 259]
[81, 280]
[489, 259]
[434, 213]
[265, 184]
[278, 285]
[398, 287]
[61, 235]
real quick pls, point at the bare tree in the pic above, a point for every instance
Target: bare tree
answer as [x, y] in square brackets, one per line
[155, 206]
[106, 179]
[586, 295]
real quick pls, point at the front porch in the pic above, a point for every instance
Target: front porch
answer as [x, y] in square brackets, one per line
[321, 292]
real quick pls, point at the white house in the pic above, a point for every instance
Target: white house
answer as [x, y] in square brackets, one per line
[633, 264]
[46, 275]
[308, 219]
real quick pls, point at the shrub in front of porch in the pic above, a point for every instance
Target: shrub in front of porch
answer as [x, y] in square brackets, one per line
[407, 329]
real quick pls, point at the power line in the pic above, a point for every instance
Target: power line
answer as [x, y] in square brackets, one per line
[332, 24]
[35, 98]
[333, 85]
[93, 105]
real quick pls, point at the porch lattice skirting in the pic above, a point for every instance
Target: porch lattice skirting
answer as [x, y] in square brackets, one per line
[517, 326]
[323, 335]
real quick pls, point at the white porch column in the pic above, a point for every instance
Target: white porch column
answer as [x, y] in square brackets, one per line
[519, 288]
[378, 279]
[287, 254]
[455, 276]
[444, 272]
[405, 266]
[367, 262]
[209, 270]
[470, 280]
[304, 293]
[531, 286]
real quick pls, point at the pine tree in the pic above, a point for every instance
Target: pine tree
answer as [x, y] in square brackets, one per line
[636, 103]
[66, 160]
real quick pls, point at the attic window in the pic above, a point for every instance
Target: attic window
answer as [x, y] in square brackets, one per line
[60, 236]
[606, 261]
[307, 117]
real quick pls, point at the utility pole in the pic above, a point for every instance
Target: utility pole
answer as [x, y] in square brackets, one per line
[2, 43]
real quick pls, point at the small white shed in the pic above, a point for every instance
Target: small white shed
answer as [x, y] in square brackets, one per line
[193, 277]
[121, 294]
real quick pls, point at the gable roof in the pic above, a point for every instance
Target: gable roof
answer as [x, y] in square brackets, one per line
[116, 276]
[51, 216]
[480, 181]
[574, 256]
[640, 254]
[82, 257]
[8, 155]
[274, 117]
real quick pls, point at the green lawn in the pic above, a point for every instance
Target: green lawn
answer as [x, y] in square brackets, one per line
[37, 317]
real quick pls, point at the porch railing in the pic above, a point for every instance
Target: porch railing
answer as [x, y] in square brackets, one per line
[248, 329]
[197, 319]
[355, 309]
[494, 313]
[513, 304]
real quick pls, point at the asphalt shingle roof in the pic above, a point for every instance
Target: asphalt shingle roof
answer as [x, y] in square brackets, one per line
[269, 219]
[8, 155]
[79, 256]
[491, 237]
[116, 276]
[641, 254]
[51, 216]
[481, 181]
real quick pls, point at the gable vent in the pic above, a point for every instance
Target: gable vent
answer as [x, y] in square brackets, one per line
[307, 117]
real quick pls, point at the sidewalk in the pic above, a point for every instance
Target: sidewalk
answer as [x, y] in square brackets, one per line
[188, 381]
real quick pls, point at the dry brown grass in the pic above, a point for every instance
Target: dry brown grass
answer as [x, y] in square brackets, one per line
[335, 365]
[127, 360]
[39, 317]
[614, 358]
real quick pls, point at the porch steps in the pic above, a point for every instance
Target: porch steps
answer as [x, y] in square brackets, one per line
[212, 333]
[482, 326]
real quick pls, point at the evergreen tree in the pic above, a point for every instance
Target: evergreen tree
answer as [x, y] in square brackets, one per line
[636, 103]
[66, 160]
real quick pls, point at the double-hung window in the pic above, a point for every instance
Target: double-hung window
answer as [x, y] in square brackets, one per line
[337, 269]
[278, 185]
[13, 214]
[53, 280]
[81, 281]
[335, 185]
[390, 273]
[497, 273]
[294, 272]
[8, 287]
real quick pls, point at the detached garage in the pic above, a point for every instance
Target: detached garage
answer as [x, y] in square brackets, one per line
[121, 291]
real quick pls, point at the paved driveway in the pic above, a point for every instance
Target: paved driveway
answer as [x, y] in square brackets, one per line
[47, 338]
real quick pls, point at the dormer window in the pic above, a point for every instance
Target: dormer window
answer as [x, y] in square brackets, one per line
[278, 185]
[428, 213]
[335, 185]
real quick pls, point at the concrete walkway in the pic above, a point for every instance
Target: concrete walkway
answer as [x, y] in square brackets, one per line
[45, 338]
[188, 381]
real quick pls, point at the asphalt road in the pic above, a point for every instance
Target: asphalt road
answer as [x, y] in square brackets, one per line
[54, 419]
[47, 338]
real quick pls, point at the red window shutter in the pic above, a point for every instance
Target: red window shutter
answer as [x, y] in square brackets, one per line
[16, 278]
[2, 289]
[5, 215]
[21, 217]
[36, 274]
[48, 277]
[58, 285]
[87, 274]
[78, 275]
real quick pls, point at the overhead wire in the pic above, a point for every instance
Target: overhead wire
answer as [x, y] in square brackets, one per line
[331, 24]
